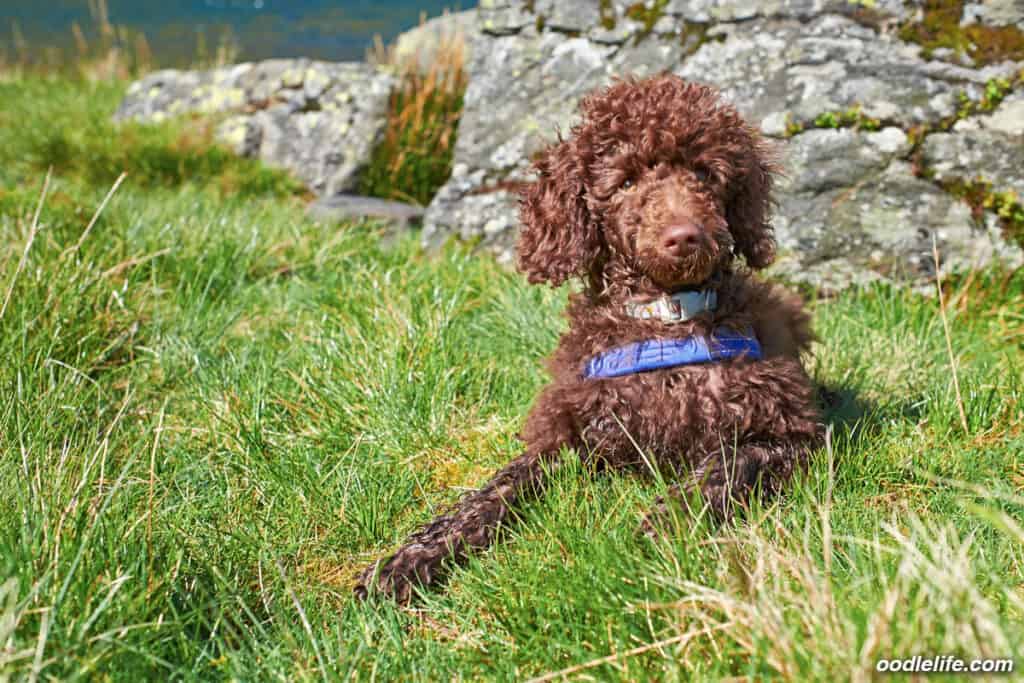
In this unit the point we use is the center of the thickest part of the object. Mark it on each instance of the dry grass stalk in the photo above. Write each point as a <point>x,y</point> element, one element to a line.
<point>28,245</point>
<point>949,341</point>
<point>423,116</point>
<point>101,17</point>
<point>81,44</point>
<point>152,480</point>
<point>777,600</point>
<point>96,216</point>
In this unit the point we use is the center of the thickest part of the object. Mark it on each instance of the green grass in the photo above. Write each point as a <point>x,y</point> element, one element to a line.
<point>215,412</point>
<point>54,122</point>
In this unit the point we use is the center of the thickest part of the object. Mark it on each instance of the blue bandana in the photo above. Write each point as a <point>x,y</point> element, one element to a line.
<point>654,354</point>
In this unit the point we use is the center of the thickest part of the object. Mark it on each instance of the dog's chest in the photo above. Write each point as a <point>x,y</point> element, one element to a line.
<point>671,414</point>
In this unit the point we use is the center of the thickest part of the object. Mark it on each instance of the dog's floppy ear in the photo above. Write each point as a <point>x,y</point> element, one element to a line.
<point>559,239</point>
<point>750,206</point>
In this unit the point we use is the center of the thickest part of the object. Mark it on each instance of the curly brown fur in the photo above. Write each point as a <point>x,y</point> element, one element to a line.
<point>660,187</point>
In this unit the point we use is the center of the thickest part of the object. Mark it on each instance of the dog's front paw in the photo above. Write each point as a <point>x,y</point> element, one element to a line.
<point>413,565</point>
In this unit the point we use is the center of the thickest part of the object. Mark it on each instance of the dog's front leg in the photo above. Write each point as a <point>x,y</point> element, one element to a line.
<point>472,525</point>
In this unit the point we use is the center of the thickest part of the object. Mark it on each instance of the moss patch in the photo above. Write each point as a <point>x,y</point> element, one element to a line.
<point>853,117</point>
<point>646,15</point>
<point>981,197</point>
<point>940,28</point>
<point>793,127</point>
<point>607,15</point>
<point>996,90</point>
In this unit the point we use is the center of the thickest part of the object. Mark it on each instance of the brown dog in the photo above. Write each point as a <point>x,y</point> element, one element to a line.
<point>675,353</point>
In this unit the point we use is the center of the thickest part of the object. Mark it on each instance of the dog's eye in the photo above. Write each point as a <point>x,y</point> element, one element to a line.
<point>626,184</point>
<point>702,174</point>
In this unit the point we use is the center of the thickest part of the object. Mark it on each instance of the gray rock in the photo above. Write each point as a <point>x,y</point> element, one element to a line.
<point>488,216</point>
<point>620,33</point>
<point>774,68</point>
<point>1008,118</point>
<point>819,161</point>
<point>349,207</point>
<point>422,42</point>
<point>994,12</point>
<point>852,211</point>
<point>988,147</point>
<point>318,120</point>
<point>742,10</point>
<point>973,155</point>
<point>578,15</point>
<point>719,11</point>
<point>503,17</point>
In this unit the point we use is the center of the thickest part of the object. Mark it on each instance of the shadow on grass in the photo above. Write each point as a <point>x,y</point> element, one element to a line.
<point>843,407</point>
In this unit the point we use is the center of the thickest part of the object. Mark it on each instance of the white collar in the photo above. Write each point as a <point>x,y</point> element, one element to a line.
<point>675,308</point>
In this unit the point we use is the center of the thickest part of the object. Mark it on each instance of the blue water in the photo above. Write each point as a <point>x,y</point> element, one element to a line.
<point>339,30</point>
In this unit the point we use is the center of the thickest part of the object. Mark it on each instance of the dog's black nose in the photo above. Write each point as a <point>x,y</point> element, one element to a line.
<point>681,239</point>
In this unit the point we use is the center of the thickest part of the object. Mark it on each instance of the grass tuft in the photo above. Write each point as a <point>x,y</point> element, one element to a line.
<point>414,158</point>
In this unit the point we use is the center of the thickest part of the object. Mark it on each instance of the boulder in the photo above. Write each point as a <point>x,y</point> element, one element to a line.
<point>987,147</point>
<point>318,120</point>
<point>857,204</point>
<point>854,207</point>
<point>422,42</point>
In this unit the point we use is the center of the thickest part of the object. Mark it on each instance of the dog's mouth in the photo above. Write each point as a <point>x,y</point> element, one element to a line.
<point>674,277</point>
<point>678,272</point>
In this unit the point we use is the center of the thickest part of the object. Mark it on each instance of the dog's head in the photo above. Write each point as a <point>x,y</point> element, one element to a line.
<point>660,184</point>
